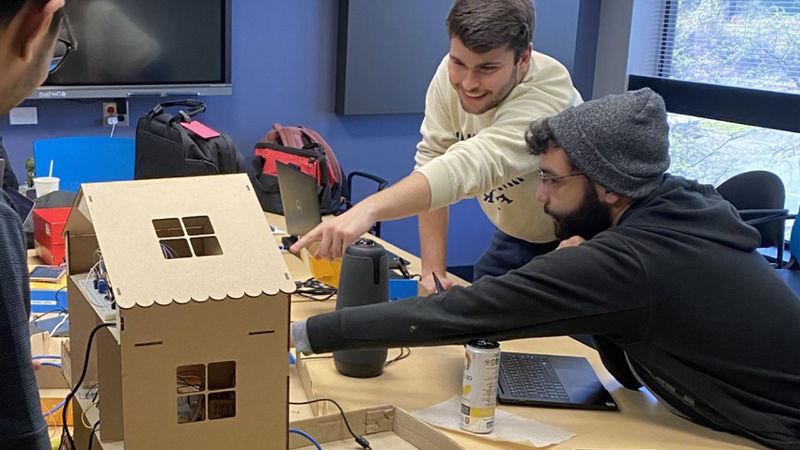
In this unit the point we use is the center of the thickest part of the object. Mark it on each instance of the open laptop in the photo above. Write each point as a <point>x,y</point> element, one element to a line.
<point>551,380</point>
<point>300,199</point>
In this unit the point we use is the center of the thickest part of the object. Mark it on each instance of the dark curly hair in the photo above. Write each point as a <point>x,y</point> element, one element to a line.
<point>484,25</point>
<point>539,137</point>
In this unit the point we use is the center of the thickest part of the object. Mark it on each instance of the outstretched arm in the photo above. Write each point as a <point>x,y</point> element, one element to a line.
<point>596,288</point>
<point>408,197</point>
<point>433,247</point>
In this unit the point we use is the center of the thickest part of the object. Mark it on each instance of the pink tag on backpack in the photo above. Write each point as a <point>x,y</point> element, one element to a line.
<point>201,130</point>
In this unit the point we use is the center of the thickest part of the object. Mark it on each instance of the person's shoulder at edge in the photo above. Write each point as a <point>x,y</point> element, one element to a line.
<point>10,227</point>
<point>7,213</point>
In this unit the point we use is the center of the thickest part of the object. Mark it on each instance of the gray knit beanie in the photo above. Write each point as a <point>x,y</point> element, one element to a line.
<point>620,141</point>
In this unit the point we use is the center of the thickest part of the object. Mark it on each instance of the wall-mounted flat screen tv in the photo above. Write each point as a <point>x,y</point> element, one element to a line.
<point>129,48</point>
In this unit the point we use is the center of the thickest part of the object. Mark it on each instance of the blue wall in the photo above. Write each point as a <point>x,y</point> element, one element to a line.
<point>284,71</point>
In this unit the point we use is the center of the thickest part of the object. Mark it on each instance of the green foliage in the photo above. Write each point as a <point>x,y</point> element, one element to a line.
<point>752,44</point>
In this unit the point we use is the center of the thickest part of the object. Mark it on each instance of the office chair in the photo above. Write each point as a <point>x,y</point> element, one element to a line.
<point>382,183</point>
<point>759,196</point>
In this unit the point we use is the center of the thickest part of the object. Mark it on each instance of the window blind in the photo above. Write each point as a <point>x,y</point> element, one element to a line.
<point>743,43</point>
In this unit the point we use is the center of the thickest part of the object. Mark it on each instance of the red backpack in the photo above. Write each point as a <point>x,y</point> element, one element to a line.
<point>306,149</point>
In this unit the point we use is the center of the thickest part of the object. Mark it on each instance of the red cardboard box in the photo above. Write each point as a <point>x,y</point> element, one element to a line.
<point>48,224</point>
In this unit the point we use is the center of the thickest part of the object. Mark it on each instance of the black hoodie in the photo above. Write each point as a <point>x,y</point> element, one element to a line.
<point>674,290</point>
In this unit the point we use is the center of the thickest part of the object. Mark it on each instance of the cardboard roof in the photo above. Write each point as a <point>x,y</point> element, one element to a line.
<point>121,215</point>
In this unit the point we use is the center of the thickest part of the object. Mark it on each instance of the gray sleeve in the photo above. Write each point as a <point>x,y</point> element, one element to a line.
<point>300,338</point>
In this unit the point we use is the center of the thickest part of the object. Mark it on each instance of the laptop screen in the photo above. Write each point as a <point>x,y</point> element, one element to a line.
<point>299,198</point>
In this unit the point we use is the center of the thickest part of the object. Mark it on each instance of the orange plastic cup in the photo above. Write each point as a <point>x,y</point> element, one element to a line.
<point>320,268</point>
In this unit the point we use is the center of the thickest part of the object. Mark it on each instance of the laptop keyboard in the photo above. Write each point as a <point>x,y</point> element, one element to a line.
<point>531,376</point>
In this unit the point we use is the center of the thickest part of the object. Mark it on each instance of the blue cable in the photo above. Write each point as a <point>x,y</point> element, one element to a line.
<point>307,436</point>
<point>51,364</point>
<point>55,408</point>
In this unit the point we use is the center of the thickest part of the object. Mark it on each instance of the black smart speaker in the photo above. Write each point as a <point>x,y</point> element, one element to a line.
<point>363,280</point>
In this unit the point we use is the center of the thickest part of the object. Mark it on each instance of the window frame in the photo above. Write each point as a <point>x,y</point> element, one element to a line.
<point>756,107</point>
<point>760,108</point>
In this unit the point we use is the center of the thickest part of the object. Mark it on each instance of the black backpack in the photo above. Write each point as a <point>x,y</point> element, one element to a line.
<point>176,145</point>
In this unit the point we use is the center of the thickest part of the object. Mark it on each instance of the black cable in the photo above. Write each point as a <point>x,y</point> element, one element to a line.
<point>403,355</point>
<point>91,435</point>
<point>360,440</point>
<point>65,430</point>
<point>306,358</point>
<point>312,284</point>
<point>312,289</point>
<point>94,397</point>
<point>59,310</point>
<point>405,352</point>
<point>404,269</point>
<point>314,297</point>
<point>59,290</point>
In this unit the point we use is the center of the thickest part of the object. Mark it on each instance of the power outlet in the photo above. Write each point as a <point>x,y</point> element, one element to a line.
<point>117,109</point>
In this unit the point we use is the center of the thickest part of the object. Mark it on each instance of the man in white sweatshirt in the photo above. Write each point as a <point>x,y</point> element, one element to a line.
<point>485,92</point>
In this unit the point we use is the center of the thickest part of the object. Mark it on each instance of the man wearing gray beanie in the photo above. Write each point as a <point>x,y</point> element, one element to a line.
<point>620,142</point>
<point>659,270</point>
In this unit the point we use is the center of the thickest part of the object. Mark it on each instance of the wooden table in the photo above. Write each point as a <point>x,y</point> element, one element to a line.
<point>434,374</point>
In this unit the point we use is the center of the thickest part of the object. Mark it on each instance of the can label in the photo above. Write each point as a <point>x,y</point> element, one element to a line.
<point>479,393</point>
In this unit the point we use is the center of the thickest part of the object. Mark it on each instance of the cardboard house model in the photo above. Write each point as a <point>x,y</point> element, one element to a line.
<point>189,274</point>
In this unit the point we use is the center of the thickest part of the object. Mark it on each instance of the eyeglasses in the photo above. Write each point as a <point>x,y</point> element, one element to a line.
<point>64,45</point>
<point>551,180</point>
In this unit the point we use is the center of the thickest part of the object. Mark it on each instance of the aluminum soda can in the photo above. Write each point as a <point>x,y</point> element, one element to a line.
<point>479,393</point>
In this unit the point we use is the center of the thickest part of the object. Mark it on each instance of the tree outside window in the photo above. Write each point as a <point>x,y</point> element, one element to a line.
<point>745,43</point>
